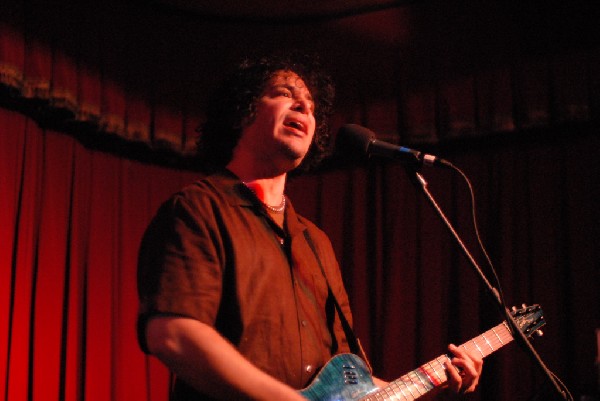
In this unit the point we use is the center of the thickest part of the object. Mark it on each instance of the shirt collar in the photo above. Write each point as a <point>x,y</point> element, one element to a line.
<point>237,194</point>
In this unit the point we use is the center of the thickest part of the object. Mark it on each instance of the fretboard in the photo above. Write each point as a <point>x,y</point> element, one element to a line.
<point>433,374</point>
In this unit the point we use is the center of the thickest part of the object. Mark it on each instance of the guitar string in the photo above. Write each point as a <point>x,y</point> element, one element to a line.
<point>409,383</point>
<point>487,342</point>
<point>418,387</point>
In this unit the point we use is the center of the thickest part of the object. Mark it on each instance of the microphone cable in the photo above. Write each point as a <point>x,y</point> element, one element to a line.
<point>490,264</point>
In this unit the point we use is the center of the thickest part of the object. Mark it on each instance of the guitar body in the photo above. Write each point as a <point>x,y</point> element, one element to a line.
<point>344,378</point>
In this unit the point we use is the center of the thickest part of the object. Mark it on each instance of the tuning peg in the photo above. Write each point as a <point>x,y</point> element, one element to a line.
<point>539,333</point>
<point>514,309</point>
<point>524,306</point>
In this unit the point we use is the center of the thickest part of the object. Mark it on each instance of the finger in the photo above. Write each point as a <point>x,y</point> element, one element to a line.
<point>470,368</point>
<point>454,379</point>
<point>470,358</point>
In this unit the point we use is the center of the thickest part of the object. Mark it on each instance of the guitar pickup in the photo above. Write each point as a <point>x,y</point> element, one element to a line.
<point>350,377</point>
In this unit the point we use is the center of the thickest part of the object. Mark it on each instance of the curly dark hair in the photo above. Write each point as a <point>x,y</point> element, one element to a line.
<point>233,104</point>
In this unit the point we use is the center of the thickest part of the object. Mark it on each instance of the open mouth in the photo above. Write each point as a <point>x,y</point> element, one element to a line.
<point>295,125</point>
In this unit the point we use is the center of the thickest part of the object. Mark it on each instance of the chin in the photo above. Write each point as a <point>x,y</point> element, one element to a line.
<point>293,153</point>
<point>292,164</point>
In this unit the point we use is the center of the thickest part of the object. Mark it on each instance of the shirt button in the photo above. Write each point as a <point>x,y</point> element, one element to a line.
<point>309,369</point>
<point>303,323</point>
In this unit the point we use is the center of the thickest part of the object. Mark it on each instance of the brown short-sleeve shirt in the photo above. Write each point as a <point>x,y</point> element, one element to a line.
<point>213,254</point>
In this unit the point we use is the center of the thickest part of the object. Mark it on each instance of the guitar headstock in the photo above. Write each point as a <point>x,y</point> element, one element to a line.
<point>529,319</point>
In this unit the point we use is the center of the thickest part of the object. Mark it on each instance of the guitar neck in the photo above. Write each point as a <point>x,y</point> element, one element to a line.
<point>433,374</point>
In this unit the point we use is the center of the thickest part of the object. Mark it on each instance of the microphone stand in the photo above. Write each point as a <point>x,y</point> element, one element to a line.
<point>520,338</point>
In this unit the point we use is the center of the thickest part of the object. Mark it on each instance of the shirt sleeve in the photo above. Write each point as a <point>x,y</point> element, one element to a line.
<point>180,263</point>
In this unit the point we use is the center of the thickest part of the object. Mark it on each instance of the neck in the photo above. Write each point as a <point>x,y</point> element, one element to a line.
<point>268,188</point>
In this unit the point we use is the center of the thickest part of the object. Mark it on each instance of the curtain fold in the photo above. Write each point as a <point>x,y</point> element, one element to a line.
<point>103,70</point>
<point>84,94</point>
<point>81,103</point>
<point>413,292</point>
<point>72,219</point>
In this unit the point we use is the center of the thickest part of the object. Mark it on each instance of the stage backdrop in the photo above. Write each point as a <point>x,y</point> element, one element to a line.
<point>72,218</point>
<point>98,105</point>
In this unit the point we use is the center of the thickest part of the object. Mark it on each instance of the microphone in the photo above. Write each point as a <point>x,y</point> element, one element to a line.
<point>360,141</point>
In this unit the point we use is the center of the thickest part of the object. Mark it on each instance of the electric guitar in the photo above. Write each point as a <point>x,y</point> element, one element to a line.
<point>346,377</point>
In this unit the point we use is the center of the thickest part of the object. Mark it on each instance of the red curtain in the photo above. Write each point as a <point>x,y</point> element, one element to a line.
<point>72,218</point>
<point>90,91</point>
<point>71,222</point>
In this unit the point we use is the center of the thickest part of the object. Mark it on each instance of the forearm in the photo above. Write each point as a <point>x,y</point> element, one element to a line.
<point>201,357</point>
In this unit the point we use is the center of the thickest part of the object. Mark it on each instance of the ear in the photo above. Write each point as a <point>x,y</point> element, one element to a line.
<point>248,119</point>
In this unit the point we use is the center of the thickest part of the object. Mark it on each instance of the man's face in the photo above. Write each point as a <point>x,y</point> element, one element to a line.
<point>284,126</point>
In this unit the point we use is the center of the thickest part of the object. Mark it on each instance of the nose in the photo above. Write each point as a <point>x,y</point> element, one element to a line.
<point>303,106</point>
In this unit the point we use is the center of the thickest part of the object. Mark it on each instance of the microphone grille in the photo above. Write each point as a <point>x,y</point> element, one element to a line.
<point>354,140</point>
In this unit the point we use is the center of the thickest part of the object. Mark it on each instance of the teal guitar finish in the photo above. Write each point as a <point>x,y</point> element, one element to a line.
<point>345,377</point>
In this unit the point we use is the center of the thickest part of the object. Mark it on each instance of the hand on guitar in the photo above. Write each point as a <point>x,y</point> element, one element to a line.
<point>463,370</point>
